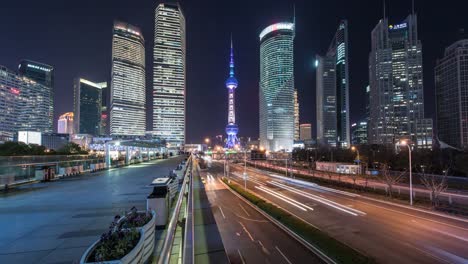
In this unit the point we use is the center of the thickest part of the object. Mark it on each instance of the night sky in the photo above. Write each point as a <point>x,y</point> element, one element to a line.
<point>75,38</point>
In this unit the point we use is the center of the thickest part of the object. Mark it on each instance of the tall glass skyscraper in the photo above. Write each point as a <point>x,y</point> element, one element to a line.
<point>451,79</point>
<point>128,91</point>
<point>87,106</point>
<point>332,94</point>
<point>65,124</point>
<point>396,85</point>
<point>277,87</point>
<point>25,104</point>
<point>169,74</point>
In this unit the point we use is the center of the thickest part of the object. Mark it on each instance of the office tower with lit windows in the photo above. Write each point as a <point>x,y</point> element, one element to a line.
<point>396,85</point>
<point>169,74</point>
<point>359,133</point>
<point>296,116</point>
<point>332,93</point>
<point>25,104</point>
<point>305,131</point>
<point>65,124</point>
<point>128,90</point>
<point>87,106</point>
<point>277,87</point>
<point>105,111</point>
<point>451,82</point>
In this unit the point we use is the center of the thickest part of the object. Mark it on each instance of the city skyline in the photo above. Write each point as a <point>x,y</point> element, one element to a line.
<point>359,28</point>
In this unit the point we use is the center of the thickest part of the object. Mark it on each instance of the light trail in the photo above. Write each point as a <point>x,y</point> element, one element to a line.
<point>330,203</point>
<point>293,202</point>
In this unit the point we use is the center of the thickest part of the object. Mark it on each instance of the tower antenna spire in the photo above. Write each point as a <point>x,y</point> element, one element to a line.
<point>384,10</point>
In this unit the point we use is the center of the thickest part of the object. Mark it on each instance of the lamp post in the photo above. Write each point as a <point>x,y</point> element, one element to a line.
<point>405,143</point>
<point>353,148</point>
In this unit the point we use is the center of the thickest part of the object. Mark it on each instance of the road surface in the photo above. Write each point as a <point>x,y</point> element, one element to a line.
<point>388,233</point>
<point>247,235</point>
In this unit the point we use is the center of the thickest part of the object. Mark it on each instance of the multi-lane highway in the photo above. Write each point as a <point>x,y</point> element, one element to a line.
<point>248,236</point>
<point>452,195</point>
<point>387,232</point>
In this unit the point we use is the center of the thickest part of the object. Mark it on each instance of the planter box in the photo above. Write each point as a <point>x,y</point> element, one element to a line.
<point>133,257</point>
<point>149,235</point>
<point>142,251</point>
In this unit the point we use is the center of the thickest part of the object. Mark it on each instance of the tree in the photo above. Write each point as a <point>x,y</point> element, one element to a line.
<point>71,148</point>
<point>390,179</point>
<point>436,184</point>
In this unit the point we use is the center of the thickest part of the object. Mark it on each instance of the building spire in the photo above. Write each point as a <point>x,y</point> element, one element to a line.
<point>231,62</point>
<point>384,9</point>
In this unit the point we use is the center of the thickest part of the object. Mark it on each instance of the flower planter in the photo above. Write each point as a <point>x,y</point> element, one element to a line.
<point>148,233</point>
<point>142,251</point>
<point>135,256</point>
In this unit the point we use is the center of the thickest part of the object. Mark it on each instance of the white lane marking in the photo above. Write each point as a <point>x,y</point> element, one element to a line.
<point>290,199</point>
<point>282,254</point>
<point>222,213</point>
<point>247,231</point>
<point>330,203</point>
<point>244,210</point>
<point>241,257</point>
<point>439,231</point>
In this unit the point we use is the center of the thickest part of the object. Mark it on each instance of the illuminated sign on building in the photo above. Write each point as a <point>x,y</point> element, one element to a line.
<point>399,26</point>
<point>38,67</point>
<point>275,27</point>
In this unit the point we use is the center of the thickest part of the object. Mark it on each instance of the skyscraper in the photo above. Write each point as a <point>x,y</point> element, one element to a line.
<point>65,124</point>
<point>169,73</point>
<point>231,85</point>
<point>451,80</point>
<point>396,84</point>
<point>105,111</point>
<point>333,92</point>
<point>277,87</point>
<point>39,72</point>
<point>87,106</point>
<point>306,131</point>
<point>128,92</point>
<point>25,104</point>
<point>296,116</point>
<point>359,133</point>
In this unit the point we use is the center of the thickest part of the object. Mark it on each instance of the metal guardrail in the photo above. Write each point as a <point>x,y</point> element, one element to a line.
<point>185,191</point>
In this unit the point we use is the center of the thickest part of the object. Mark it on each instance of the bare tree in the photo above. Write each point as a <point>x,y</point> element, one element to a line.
<point>390,179</point>
<point>354,177</point>
<point>436,184</point>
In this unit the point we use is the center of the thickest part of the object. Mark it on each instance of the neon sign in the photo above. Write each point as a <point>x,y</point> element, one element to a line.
<point>275,27</point>
<point>399,26</point>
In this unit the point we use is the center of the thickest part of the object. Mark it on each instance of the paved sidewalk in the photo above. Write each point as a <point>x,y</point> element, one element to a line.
<point>56,222</point>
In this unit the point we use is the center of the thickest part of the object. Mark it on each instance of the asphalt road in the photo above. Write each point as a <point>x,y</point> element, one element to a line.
<point>248,237</point>
<point>456,196</point>
<point>389,233</point>
<point>56,222</point>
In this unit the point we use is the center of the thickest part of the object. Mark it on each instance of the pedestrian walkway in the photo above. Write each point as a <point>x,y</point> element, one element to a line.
<point>56,222</point>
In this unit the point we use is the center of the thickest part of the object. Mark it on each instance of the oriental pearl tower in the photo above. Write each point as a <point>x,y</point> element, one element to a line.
<point>231,85</point>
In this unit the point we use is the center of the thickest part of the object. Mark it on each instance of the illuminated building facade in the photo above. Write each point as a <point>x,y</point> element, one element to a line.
<point>305,131</point>
<point>359,133</point>
<point>296,116</point>
<point>65,123</point>
<point>277,87</point>
<point>128,90</point>
<point>451,79</point>
<point>332,94</point>
<point>87,106</point>
<point>231,84</point>
<point>24,105</point>
<point>396,85</point>
<point>169,74</point>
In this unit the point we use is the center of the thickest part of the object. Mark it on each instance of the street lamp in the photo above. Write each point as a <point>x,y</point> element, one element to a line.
<point>353,148</point>
<point>405,143</point>
<point>207,140</point>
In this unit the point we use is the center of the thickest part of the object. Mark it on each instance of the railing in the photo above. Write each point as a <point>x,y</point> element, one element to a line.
<point>177,220</point>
